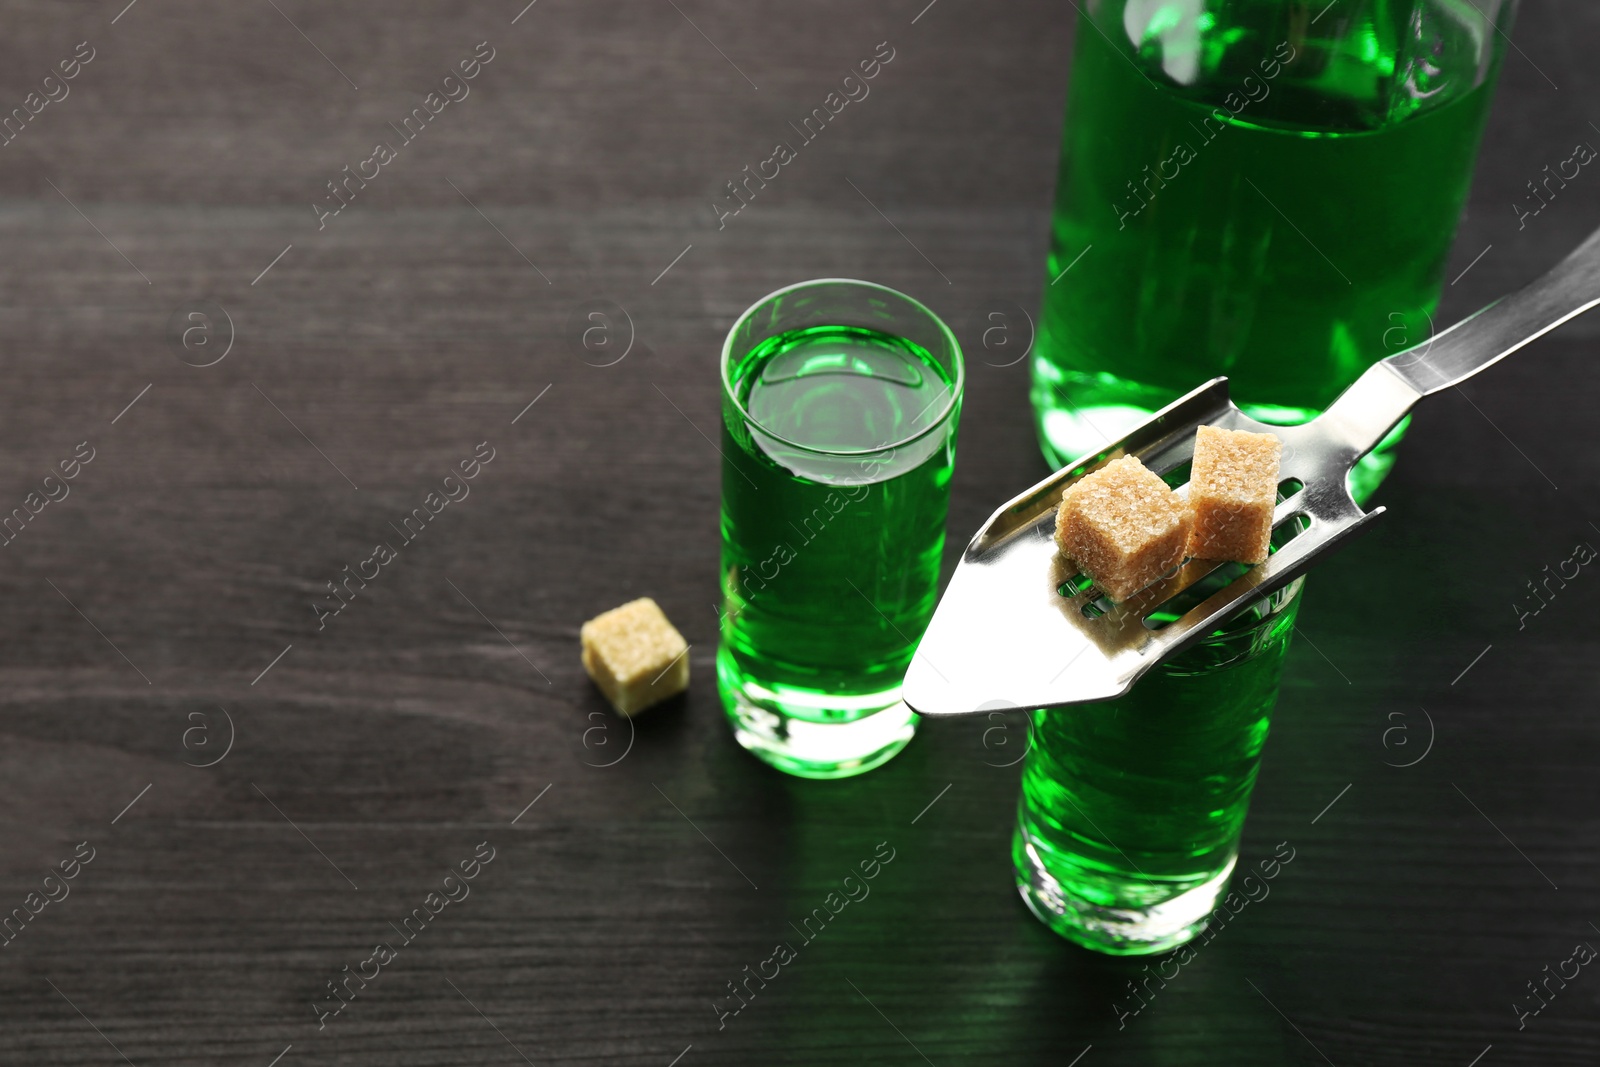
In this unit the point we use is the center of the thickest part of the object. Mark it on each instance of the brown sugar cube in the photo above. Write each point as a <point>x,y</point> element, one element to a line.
<point>1233,488</point>
<point>1123,527</point>
<point>635,656</point>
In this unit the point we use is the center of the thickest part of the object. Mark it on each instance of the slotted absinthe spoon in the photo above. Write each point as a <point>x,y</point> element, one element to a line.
<point>1010,633</point>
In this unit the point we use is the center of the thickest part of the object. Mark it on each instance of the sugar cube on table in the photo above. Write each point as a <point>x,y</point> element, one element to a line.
<point>635,656</point>
<point>1233,489</point>
<point>1123,527</point>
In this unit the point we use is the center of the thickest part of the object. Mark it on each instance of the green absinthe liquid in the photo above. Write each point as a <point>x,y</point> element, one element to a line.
<point>1130,803</point>
<point>1255,193</point>
<point>833,510</point>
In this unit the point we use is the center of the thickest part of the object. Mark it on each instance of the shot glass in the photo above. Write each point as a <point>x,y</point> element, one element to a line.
<point>840,401</point>
<point>1131,809</point>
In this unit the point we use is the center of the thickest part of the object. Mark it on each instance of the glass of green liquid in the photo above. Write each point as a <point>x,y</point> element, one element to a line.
<point>1131,809</point>
<point>1266,189</point>
<point>839,408</point>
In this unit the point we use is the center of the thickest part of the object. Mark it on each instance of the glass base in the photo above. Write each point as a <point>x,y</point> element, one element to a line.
<point>811,734</point>
<point>1107,412</point>
<point>1124,931</point>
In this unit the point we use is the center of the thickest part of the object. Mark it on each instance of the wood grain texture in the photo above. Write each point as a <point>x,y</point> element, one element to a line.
<point>447,696</point>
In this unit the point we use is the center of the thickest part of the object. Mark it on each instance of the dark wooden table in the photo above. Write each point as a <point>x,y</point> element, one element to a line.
<point>264,801</point>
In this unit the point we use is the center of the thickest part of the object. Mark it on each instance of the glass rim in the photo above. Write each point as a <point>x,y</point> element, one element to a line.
<point>1272,605</point>
<point>951,404</point>
<point>1271,608</point>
